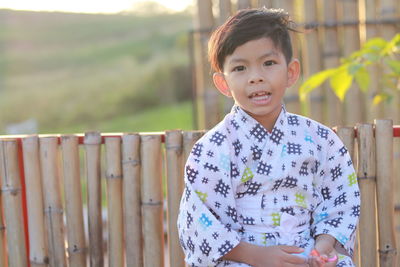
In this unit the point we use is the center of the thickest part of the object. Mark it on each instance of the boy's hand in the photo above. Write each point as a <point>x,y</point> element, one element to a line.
<point>272,256</point>
<point>324,253</point>
<point>280,256</point>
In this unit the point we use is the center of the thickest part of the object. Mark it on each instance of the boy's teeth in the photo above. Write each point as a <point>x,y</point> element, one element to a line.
<point>261,94</point>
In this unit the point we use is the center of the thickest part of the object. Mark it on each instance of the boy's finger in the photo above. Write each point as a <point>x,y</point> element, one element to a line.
<point>315,262</point>
<point>295,259</point>
<point>298,265</point>
<point>291,249</point>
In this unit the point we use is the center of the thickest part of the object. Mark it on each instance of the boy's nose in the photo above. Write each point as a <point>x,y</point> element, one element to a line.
<point>256,79</point>
<point>256,76</point>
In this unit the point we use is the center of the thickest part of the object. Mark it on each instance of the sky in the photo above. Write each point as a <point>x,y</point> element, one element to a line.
<point>86,6</point>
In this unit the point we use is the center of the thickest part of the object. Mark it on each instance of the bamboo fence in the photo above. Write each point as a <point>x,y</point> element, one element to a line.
<point>140,229</point>
<point>331,30</point>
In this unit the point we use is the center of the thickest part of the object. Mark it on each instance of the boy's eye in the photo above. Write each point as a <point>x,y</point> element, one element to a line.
<point>238,68</point>
<point>269,63</point>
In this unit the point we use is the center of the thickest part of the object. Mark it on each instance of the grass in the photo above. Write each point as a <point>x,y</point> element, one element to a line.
<point>74,72</point>
<point>177,116</point>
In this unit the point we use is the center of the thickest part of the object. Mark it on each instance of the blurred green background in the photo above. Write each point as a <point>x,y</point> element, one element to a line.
<point>71,72</point>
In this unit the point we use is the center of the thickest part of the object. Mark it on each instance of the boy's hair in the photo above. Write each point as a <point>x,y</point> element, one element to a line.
<point>247,25</point>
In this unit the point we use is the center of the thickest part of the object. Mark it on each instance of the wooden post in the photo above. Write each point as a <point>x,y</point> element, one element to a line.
<point>347,135</point>
<point>152,201</point>
<point>312,58</point>
<point>330,57</point>
<point>73,201</point>
<point>93,174</point>
<point>53,207</point>
<point>354,103</point>
<point>207,102</point>
<point>366,173</point>
<point>385,192</point>
<point>38,249</point>
<point>132,206</point>
<point>174,149</point>
<point>114,198</point>
<point>12,200</point>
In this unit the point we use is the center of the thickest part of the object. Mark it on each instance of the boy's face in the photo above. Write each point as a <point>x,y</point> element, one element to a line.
<point>256,75</point>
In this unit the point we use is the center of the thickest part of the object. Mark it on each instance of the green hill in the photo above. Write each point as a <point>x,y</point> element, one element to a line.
<point>63,69</point>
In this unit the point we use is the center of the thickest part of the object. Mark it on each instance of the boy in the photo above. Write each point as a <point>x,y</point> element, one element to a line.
<point>265,187</point>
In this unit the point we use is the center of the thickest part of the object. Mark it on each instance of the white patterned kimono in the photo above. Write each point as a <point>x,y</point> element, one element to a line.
<point>284,187</point>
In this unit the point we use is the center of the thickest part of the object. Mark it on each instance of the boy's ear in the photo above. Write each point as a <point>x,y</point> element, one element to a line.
<point>220,83</point>
<point>293,72</point>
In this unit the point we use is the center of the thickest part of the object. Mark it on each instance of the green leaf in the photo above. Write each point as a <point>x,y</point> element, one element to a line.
<point>362,78</point>
<point>354,67</point>
<point>371,50</point>
<point>373,57</point>
<point>392,45</point>
<point>394,65</point>
<point>375,44</point>
<point>314,81</point>
<point>340,82</point>
<point>380,98</point>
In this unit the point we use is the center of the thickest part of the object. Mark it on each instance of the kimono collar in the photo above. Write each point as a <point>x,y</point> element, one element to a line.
<point>252,129</point>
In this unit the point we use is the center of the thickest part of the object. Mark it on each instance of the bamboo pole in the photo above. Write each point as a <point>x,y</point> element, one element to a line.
<point>38,249</point>
<point>189,139</point>
<point>174,152</point>
<point>388,11</point>
<point>331,55</point>
<point>152,201</point>
<point>291,98</point>
<point>12,200</point>
<point>73,201</point>
<point>225,11</point>
<point>207,102</point>
<point>3,242</point>
<point>366,174</point>
<point>92,154</point>
<point>132,208</point>
<point>371,14</point>
<point>354,103</point>
<point>53,207</point>
<point>347,135</point>
<point>385,192</point>
<point>114,197</point>
<point>265,3</point>
<point>312,59</point>
<point>243,4</point>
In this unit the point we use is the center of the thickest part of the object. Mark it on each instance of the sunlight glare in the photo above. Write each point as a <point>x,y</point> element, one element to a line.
<point>86,6</point>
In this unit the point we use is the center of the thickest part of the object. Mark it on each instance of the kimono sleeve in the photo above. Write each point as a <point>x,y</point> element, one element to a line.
<point>207,220</point>
<point>338,212</point>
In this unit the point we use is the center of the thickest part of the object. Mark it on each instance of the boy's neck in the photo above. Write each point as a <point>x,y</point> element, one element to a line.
<point>267,121</point>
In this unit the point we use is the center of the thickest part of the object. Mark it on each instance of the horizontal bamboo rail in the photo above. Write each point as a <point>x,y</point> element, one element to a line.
<point>136,223</point>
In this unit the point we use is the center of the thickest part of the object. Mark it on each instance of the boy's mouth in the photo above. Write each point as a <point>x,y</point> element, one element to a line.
<point>262,95</point>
